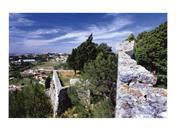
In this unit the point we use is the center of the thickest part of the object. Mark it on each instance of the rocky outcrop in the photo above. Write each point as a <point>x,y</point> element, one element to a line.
<point>74,81</point>
<point>136,96</point>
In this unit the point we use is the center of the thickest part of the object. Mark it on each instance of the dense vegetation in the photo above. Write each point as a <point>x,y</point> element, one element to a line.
<point>102,74</point>
<point>15,75</point>
<point>131,37</point>
<point>151,52</point>
<point>82,54</point>
<point>30,102</point>
<point>47,82</point>
<point>15,69</point>
<point>94,96</point>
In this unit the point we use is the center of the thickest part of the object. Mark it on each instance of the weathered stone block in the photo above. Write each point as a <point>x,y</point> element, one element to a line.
<point>136,97</point>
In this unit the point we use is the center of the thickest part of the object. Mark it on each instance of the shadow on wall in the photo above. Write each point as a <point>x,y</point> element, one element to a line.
<point>64,102</point>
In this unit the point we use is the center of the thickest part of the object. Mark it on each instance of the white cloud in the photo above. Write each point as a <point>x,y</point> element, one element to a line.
<point>101,31</point>
<point>45,31</point>
<point>75,34</point>
<point>17,19</point>
<point>117,24</point>
<point>112,35</point>
<point>110,32</point>
<point>143,28</point>
<point>35,43</point>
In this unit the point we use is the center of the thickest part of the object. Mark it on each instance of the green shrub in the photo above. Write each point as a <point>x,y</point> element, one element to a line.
<point>151,52</point>
<point>103,109</point>
<point>31,102</point>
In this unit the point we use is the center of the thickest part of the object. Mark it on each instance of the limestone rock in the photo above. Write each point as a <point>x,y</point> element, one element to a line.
<point>128,70</point>
<point>136,97</point>
<point>73,81</point>
<point>134,102</point>
<point>127,47</point>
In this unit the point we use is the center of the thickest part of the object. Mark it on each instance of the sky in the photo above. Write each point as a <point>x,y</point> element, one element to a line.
<point>61,32</point>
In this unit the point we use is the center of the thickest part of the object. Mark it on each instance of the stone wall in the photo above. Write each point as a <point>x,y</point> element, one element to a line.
<point>136,96</point>
<point>58,94</point>
<point>54,92</point>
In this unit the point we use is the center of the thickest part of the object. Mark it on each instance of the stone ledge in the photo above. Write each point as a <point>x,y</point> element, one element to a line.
<point>136,96</point>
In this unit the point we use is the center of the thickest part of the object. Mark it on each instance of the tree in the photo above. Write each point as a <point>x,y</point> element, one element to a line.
<point>151,52</point>
<point>30,102</point>
<point>72,62</point>
<point>80,108</point>
<point>96,86</point>
<point>103,109</point>
<point>104,48</point>
<point>90,38</point>
<point>47,82</point>
<point>86,52</point>
<point>104,68</point>
<point>16,106</point>
<point>82,54</point>
<point>130,38</point>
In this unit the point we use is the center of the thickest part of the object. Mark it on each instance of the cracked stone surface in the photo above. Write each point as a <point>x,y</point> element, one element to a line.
<point>136,96</point>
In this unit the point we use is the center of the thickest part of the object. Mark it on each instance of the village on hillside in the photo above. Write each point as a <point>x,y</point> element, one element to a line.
<point>29,67</point>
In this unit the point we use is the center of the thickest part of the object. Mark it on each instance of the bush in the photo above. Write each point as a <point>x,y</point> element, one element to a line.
<point>94,96</point>
<point>82,54</point>
<point>79,108</point>
<point>103,109</point>
<point>151,52</point>
<point>131,37</point>
<point>104,68</point>
<point>47,82</point>
<point>31,102</point>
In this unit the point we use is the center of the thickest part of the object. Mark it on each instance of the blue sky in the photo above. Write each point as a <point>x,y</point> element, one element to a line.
<point>60,32</point>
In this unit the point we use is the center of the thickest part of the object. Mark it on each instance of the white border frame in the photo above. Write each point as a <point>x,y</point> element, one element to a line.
<point>172,7</point>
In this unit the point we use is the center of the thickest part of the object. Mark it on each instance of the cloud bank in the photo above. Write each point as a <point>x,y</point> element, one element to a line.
<point>111,32</point>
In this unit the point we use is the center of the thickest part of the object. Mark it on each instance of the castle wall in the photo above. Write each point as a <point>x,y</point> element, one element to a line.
<point>54,92</point>
<point>136,96</point>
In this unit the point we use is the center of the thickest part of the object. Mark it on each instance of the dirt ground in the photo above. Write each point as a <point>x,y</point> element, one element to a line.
<point>66,75</point>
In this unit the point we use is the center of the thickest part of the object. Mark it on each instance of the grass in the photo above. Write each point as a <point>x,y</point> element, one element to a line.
<point>47,65</point>
<point>66,75</point>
